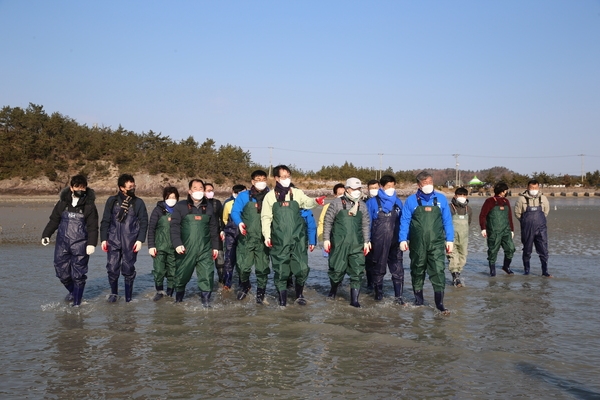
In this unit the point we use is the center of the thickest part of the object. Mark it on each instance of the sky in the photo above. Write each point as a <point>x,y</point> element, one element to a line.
<point>400,84</point>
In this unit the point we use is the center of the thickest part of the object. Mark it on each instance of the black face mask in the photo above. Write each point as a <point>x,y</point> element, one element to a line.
<point>130,192</point>
<point>79,193</point>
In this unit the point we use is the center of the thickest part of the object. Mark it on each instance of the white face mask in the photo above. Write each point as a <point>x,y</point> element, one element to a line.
<point>461,200</point>
<point>171,202</point>
<point>534,192</point>
<point>210,195</point>
<point>427,189</point>
<point>356,194</point>
<point>390,191</point>
<point>235,195</point>
<point>260,186</point>
<point>197,195</point>
<point>373,192</point>
<point>285,182</point>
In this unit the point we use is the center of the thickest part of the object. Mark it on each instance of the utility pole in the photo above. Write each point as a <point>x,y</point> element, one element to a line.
<point>270,160</point>
<point>582,155</point>
<point>456,179</point>
<point>380,163</point>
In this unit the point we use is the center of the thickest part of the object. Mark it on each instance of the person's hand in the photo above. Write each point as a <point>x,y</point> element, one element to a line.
<point>215,254</point>
<point>403,245</point>
<point>311,247</point>
<point>327,245</point>
<point>449,247</point>
<point>137,246</point>
<point>320,200</point>
<point>484,233</point>
<point>45,241</point>
<point>366,248</point>
<point>268,243</point>
<point>222,236</point>
<point>180,249</point>
<point>89,250</point>
<point>242,227</point>
<point>152,251</point>
<point>104,246</point>
<point>512,235</point>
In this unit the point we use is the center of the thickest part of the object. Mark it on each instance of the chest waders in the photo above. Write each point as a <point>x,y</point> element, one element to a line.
<point>458,258</point>
<point>164,263</point>
<point>195,235</point>
<point>534,232</point>
<point>346,255</point>
<point>499,235</point>
<point>251,251</point>
<point>121,257</point>
<point>386,250</point>
<point>229,251</point>
<point>70,257</point>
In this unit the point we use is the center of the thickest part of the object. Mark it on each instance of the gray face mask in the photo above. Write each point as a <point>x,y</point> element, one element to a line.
<point>79,193</point>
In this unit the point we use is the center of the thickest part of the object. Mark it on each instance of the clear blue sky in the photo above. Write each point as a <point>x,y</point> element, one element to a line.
<point>511,83</point>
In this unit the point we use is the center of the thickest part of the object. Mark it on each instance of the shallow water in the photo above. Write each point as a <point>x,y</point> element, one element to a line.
<point>506,336</point>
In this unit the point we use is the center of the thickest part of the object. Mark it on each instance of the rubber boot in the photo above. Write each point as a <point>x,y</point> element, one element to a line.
<point>456,282</point>
<point>114,292</point>
<point>283,298</point>
<point>354,297</point>
<point>159,293</point>
<point>492,269</point>
<point>220,274</point>
<point>526,267</point>
<point>205,299</point>
<point>398,286</point>
<point>245,288</point>
<point>128,291</point>
<point>290,282</point>
<point>170,291</point>
<point>78,295</point>
<point>506,266</point>
<point>369,275</point>
<point>545,270</point>
<point>333,290</point>
<point>179,296</point>
<point>418,297</point>
<point>378,291</point>
<point>227,278</point>
<point>439,301</point>
<point>260,295</point>
<point>70,287</point>
<point>299,296</point>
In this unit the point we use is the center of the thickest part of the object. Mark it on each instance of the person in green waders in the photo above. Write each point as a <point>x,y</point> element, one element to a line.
<point>346,237</point>
<point>426,228</point>
<point>284,231</point>
<point>495,220</point>
<point>195,236</point>
<point>461,218</point>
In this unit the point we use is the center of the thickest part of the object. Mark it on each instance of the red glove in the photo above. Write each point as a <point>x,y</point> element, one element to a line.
<point>320,200</point>
<point>215,254</point>
<point>104,246</point>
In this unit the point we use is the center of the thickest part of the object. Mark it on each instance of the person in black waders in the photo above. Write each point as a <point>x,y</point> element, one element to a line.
<point>159,243</point>
<point>426,227</point>
<point>346,237</point>
<point>122,231</point>
<point>195,236</point>
<point>495,220</point>
<point>285,233</point>
<point>531,209</point>
<point>209,193</point>
<point>76,218</point>
<point>231,238</point>
<point>385,209</point>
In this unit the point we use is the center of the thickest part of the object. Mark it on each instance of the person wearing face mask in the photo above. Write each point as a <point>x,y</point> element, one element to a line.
<point>284,231</point>
<point>231,237</point>
<point>385,209</point>
<point>338,191</point>
<point>159,243</point>
<point>372,188</point>
<point>122,231</point>
<point>495,220</point>
<point>76,218</point>
<point>426,228</point>
<point>531,209</point>
<point>251,248</point>
<point>347,239</point>
<point>195,236</point>
<point>461,219</point>
<point>209,193</point>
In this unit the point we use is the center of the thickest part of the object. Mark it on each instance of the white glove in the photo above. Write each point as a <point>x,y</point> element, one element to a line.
<point>222,236</point>
<point>512,235</point>
<point>268,243</point>
<point>403,245</point>
<point>484,233</point>
<point>46,241</point>
<point>137,246</point>
<point>366,248</point>
<point>180,249</point>
<point>89,250</point>
<point>311,247</point>
<point>449,247</point>
<point>327,246</point>
<point>242,227</point>
<point>104,246</point>
<point>215,254</point>
<point>152,251</point>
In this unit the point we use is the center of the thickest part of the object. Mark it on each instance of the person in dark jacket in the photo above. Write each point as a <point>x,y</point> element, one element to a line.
<point>122,231</point>
<point>231,237</point>
<point>76,218</point>
<point>195,236</point>
<point>159,243</point>
<point>209,193</point>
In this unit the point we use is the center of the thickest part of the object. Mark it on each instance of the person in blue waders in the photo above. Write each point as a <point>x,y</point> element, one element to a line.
<point>426,228</point>
<point>531,209</point>
<point>231,237</point>
<point>385,209</point>
<point>122,231</point>
<point>76,218</point>
<point>195,236</point>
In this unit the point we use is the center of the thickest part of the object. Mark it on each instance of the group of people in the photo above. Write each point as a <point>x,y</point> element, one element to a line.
<point>275,228</point>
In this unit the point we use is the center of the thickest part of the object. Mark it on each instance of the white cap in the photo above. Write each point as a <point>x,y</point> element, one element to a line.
<point>353,183</point>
